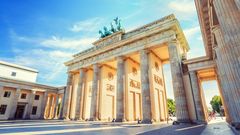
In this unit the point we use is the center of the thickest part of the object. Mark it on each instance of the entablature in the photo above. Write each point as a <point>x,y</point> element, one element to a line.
<point>158,32</point>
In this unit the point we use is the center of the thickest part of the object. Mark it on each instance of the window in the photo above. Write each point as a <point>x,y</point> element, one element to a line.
<point>23,96</point>
<point>7,94</point>
<point>36,97</point>
<point>3,109</point>
<point>34,110</point>
<point>13,74</point>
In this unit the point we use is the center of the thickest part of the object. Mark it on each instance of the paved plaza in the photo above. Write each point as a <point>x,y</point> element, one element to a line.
<point>74,127</point>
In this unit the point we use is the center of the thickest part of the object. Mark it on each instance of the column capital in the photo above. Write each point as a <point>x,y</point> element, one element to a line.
<point>121,58</point>
<point>193,72</point>
<point>33,91</point>
<point>144,51</point>
<point>173,42</point>
<point>96,66</point>
<point>82,69</point>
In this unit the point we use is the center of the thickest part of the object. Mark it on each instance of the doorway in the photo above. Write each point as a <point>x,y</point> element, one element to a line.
<point>19,112</point>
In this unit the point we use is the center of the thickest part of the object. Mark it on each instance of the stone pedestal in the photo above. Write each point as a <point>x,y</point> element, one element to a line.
<point>120,90</point>
<point>95,93</point>
<point>14,104</point>
<point>30,104</point>
<point>78,115</point>
<point>197,97</point>
<point>146,100</point>
<point>177,81</point>
<point>43,104</point>
<point>67,98</point>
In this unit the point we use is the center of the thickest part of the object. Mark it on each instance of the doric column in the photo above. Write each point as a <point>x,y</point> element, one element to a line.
<point>80,90</point>
<point>146,102</point>
<point>177,81</point>
<point>196,96</point>
<point>95,92</point>
<point>120,90</point>
<point>55,114</point>
<point>43,104</point>
<point>227,37</point>
<point>30,104</point>
<point>62,104</point>
<point>14,103</point>
<point>49,106</point>
<point>67,97</point>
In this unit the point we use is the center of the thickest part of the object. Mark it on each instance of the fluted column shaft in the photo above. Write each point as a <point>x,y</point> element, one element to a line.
<point>50,104</point>
<point>177,81</point>
<point>14,104</point>
<point>43,104</point>
<point>30,104</point>
<point>120,90</point>
<point>95,93</point>
<point>55,114</point>
<point>80,95</point>
<point>146,102</point>
<point>197,96</point>
<point>67,97</point>
<point>228,42</point>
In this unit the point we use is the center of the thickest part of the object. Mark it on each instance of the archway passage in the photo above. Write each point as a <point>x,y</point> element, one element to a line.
<point>213,105</point>
<point>198,73</point>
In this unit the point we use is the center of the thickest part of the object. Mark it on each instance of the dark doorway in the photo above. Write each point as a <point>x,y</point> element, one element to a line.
<point>19,112</point>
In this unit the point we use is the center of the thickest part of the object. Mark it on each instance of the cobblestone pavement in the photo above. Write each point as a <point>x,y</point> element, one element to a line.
<point>37,127</point>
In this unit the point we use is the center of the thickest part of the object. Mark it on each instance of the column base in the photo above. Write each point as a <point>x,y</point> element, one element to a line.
<point>27,118</point>
<point>145,121</point>
<point>93,119</point>
<point>79,119</point>
<point>11,119</point>
<point>66,119</point>
<point>179,121</point>
<point>120,120</point>
<point>56,118</point>
<point>198,122</point>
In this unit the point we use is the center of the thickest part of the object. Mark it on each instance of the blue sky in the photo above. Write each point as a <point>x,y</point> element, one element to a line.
<point>45,33</point>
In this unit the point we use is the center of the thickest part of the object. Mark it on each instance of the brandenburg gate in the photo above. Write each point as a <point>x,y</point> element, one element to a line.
<point>121,77</point>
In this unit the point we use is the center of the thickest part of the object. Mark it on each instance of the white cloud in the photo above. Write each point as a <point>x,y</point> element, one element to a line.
<point>183,6</point>
<point>48,62</point>
<point>183,9</point>
<point>193,36</point>
<point>68,43</point>
<point>190,32</point>
<point>88,25</point>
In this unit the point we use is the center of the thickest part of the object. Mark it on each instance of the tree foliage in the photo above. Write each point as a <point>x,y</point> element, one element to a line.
<point>216,103</point>
<point>171,107</point>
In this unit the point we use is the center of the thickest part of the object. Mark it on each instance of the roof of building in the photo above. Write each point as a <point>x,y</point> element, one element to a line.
<point>18,66</point>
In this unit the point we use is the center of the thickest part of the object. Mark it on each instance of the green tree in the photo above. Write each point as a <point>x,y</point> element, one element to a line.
<point>216,103</point>
<point>171,107</point>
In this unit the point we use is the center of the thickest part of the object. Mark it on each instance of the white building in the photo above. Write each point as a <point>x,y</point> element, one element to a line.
<point>17,72</point>
<point>22,98</point>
